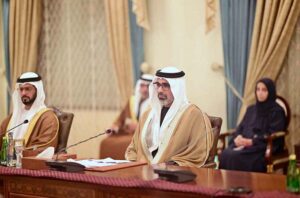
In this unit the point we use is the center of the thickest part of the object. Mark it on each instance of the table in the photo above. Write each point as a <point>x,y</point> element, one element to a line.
<point>139,181</point>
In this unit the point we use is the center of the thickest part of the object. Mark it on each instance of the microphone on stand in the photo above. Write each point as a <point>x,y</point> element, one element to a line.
<point>71,166</point>
<point>108,131</point>
<point>10,130</point>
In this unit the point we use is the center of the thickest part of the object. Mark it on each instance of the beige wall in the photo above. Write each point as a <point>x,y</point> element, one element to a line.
<point>177,37</point>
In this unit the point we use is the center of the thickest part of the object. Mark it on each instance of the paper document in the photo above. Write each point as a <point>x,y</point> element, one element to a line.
<point>98,162</point>
<point>47,153</point>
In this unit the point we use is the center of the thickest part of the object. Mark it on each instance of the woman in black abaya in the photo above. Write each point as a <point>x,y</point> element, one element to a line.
<point>247,148</point>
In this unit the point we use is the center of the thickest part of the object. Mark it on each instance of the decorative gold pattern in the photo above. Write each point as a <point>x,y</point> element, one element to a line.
<point>21,188</point>
<point>139,7</point>
<point>210,15</point>
<point>118,195</point>
<point>74,56</point>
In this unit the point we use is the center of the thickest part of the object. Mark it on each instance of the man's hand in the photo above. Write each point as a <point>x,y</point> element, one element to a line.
<point>114,129</point>
<point>130,127</point>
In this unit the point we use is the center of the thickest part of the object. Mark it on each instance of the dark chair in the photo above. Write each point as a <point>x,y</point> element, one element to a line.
<point>115,145</point>
<point>278,160</point>
<point>65,122</point>
<point>216,123</point>
<point>297,152</point>
<point>273,161</point>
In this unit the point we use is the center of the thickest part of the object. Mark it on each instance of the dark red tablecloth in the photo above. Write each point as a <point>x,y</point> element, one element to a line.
<point>133,182</point>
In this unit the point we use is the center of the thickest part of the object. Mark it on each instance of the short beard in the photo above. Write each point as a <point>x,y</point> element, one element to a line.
<point>28,101</point>
<point>163,99</point>
<point>162,102</point>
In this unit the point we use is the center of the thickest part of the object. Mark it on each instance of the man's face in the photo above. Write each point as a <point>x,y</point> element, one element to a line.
<point>261,92</point>
<point>144,90</point>
<point>27,93</point>
<point>165,94</point>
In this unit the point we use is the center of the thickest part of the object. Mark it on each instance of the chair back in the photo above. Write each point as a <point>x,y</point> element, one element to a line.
<point>286,107</point>
<point>115,145</point>
<point>279,160</point>
<point>216,123</point>
<point>65,122</point>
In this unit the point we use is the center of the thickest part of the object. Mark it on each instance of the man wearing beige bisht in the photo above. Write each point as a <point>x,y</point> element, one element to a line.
<point>36,124</point>
<point>173,130</point>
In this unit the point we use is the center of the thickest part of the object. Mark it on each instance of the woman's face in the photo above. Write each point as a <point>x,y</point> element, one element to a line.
<point>261,92</point>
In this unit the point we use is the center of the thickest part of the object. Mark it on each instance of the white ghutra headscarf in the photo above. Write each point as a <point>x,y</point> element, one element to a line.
<point>146,79</point>
<point>19,112</point>
<point>176,80</point>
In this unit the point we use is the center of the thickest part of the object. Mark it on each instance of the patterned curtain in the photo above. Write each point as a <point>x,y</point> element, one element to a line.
<point>77,69</point>
<point>74,56</point>
<point>237,19</point>
<point>139,8</point>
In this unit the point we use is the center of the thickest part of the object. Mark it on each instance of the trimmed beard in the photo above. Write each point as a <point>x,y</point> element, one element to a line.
<point>28,101</point>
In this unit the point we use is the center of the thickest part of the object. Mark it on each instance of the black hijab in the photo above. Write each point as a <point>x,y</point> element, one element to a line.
<point>263,108</point>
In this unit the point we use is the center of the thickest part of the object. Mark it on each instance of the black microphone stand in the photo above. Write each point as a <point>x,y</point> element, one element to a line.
<point>71,166</point>
<point>108,131</point>
<point>24,122</point>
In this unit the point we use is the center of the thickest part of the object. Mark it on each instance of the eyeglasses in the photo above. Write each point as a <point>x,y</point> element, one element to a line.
<point>164,86</point>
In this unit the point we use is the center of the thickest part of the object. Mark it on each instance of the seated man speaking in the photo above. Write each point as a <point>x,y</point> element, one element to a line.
<point>28,104</point>
<point>173,130</point>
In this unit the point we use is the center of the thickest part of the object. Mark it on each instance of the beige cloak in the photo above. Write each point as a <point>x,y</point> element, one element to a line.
<point>186,141</point>
<point>44,131</point>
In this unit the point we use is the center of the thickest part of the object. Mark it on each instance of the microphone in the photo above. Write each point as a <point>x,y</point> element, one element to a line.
<point>71,166</point>
<point>9,130</point>
<point>108,131</point>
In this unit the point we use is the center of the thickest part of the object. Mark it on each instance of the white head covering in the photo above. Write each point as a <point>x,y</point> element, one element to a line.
<point>145,78</point>
<point>19,112</point>
<point>176,79</point>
